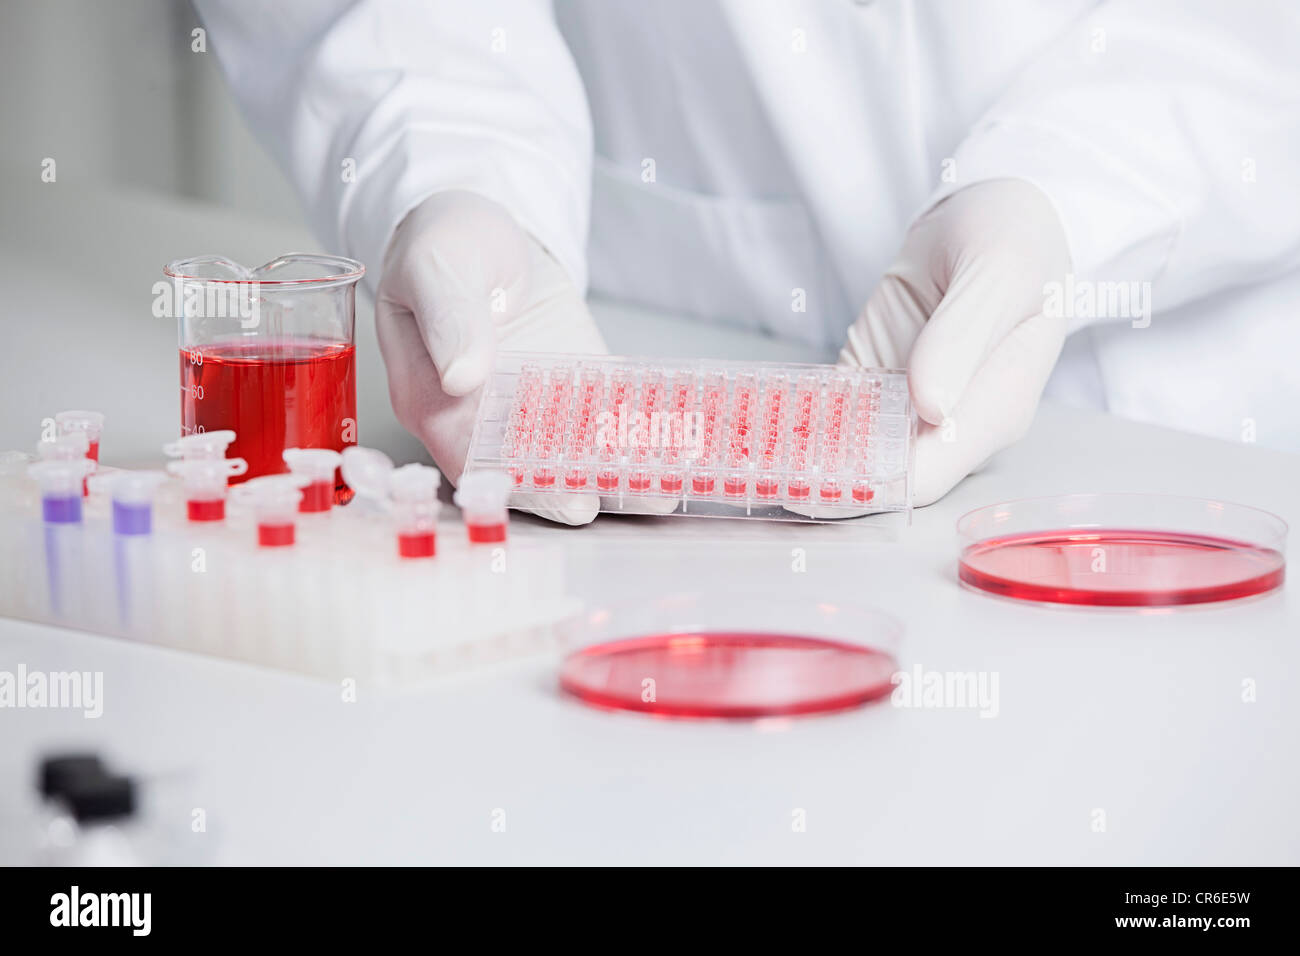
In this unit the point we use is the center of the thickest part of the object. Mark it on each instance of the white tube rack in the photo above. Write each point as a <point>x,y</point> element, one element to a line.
<point>338,604</point>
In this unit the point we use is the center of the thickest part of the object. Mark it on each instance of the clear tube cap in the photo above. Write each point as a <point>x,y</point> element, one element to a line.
<point>367,471</point>
<point>203,445</point>
<point>485,490</point>
<point>317,464</point>
<point>58,476</point>
<point>414,482</point>
<point>271,495</point>
<point>207,477</point>
<point>14,462</point>
<point>65,447</point>
<point>78,420</point>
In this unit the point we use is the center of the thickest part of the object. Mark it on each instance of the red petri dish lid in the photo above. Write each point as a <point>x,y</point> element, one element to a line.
<point>728,674</point>
<point>1122,550</point>
<point>744,655</point>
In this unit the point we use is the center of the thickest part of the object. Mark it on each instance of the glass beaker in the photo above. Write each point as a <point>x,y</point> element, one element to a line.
<point>269,353</point>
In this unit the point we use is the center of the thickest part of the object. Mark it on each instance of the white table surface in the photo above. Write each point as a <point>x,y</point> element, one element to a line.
<point>1137,714</point>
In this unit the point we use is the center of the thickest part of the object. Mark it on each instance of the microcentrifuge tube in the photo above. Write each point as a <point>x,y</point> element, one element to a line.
<point>205,481</point>
<point>415,509</point>
<point>91,424</point>
<point>482,497</point>
<point>318,467</point>
<point>60,481</point>
<point>131,493</point>
<point>73,446</point>
<point>409,492</point>
<point>274,499</point>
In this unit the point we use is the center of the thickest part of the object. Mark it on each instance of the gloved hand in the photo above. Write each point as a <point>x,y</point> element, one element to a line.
<point>961,309</point>
<point>460,279</point>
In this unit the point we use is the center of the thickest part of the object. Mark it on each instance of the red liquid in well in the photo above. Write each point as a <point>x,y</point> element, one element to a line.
<point>275,395</point>
<point>702,485</point>
<point>317,496</point>
<point>575,481</point>
<point>862,494</point>
<point>214,510</point>
<point>418,545</point>
<point>275,535</point>
<point>671,484</point>
<point>486,533</point>
<point>638,482</point>
<point>728,674</point>
<point>92,451</point>
<point>1120,568</point>
<point>735,487</point>
<point>765,487</point>
<point>607,481</point>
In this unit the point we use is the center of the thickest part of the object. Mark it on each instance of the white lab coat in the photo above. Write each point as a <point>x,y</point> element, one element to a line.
<point>722,158</point>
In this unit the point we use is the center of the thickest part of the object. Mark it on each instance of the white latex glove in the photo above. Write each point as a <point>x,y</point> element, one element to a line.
<point>961,309</point>
<point>462,278</point>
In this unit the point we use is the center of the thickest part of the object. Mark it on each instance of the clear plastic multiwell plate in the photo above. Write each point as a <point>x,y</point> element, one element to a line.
<point>731,439</point>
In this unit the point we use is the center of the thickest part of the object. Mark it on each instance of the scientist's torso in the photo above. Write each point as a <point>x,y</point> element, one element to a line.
<point>757,164</point>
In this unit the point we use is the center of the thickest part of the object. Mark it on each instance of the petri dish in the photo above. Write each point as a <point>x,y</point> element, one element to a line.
<point>1122,550</point>
<point>733,657</point>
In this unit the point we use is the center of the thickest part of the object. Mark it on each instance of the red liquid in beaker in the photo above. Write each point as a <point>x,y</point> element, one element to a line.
<point>1120,568</point>
<point>275,395</point>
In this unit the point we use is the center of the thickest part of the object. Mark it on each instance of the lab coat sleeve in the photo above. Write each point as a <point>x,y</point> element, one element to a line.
<point>371,106</point>
<point>1168,137</point>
